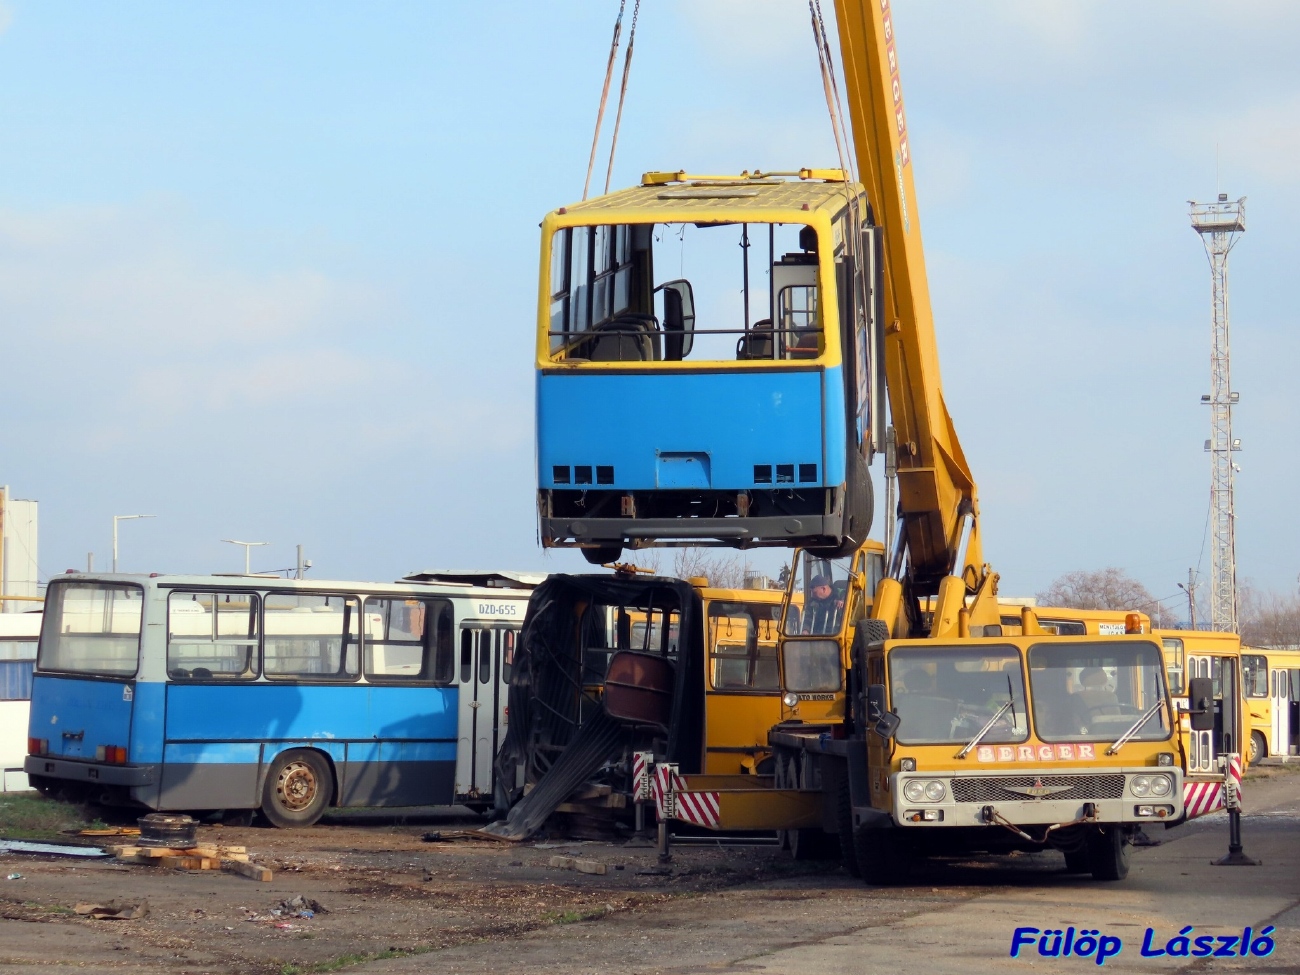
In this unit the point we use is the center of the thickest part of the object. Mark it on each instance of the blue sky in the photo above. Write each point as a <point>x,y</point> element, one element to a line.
<point>268,271</point>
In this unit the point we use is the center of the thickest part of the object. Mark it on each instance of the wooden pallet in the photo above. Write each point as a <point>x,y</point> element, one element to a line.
<point>233,859</point>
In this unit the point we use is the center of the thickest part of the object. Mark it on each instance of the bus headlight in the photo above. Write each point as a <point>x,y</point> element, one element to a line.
<point>1150,785</point>
<point>790,699</point>
<point>924,790</point>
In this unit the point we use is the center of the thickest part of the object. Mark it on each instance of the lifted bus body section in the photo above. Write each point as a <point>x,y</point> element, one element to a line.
<point>735,404</point>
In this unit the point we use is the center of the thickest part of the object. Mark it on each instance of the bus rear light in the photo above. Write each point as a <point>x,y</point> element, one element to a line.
<point>111,754</point>
<point>38,746</point>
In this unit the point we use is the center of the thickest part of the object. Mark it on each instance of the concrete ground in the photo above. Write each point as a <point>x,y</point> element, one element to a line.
<point>479,908</point>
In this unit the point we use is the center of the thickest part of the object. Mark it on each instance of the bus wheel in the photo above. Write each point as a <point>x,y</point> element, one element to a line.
<point>1108,854</point>
<point>298,788</point>
<point>883,856</point>
<point>1258,748</point>
<point>602,554</point>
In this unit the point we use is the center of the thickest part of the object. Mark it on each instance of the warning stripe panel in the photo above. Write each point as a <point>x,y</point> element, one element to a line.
<point>1200,798</point>
<point>699,808</point>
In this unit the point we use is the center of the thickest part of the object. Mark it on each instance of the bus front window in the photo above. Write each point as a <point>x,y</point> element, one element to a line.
<point>1096,691</point>
<point>91,628</point>
<point>711,291</point>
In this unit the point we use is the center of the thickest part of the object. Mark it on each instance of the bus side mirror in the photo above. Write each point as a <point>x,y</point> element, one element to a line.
<point>1200,699</point>
<point>679,318</point>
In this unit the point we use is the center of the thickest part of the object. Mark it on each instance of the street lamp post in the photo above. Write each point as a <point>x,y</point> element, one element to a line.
<point>248,547</point>
<point>116,519</point>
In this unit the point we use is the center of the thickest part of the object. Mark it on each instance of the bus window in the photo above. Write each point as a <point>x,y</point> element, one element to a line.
<point>484,656</point>
<point>311,635</point>
<point>444,659</point>
<point>742,645</point>
<point>507,655</point>
<point>91,628</point>
<point>397,646</point>
<point>211,635</point>
<point>1174,665</point>
<point>1254,673</point>
<point>466,656</point>
<point>17,657</point>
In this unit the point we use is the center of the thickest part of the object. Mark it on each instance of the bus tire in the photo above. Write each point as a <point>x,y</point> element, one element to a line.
<point>1108,854</point>
<point>298,789</point>
<point>883,856</point>
<point>1258,748</point>
<point>602,554</point>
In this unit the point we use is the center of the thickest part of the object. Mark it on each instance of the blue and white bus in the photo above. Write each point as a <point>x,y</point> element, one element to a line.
<point>178,692</point>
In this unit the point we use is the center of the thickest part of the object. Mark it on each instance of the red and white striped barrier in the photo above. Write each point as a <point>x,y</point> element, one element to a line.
<point>1200,798</point>
<point>642,784</point>
<point>674,802</point>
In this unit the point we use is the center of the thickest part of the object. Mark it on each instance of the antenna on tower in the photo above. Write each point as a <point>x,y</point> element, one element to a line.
<point>1220,224</point>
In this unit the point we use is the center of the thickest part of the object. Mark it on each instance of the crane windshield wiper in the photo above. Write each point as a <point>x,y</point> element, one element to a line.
<point>988,726</point>
<point>1123,739</point>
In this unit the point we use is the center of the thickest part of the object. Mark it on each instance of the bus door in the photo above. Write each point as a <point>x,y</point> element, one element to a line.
<point>1207,746</point>
<point>1293,711</point>
<point>486,653</point>
<point>1279,688</point>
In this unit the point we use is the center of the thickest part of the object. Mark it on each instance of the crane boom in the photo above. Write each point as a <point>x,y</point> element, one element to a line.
<point>937,494</point>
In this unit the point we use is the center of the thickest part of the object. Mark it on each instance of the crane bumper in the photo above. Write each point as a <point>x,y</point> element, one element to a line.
<point>1037,798</point>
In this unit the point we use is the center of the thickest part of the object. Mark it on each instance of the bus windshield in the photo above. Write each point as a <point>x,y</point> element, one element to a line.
<point>1096,691</point>
<point>91,628</point>
<point>694,292</point>
<point>946,695</point>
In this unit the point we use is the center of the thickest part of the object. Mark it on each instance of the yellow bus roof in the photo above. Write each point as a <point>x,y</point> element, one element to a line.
<point>661,193</point>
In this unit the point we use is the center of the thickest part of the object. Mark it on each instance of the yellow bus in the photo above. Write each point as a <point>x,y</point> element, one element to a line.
<point>1271,688</point>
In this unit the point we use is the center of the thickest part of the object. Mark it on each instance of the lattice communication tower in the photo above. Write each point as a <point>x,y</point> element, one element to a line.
<point>1220,224</point>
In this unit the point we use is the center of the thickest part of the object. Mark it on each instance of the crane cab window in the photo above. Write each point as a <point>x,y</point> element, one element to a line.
<point>712,291</point>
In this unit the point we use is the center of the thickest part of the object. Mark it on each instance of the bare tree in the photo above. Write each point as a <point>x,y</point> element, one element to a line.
<point>1109,588</point>
<point>725,570</point>
<point>1268,619</point>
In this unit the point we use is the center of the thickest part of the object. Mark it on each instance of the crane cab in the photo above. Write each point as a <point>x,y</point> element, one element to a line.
<point>706,365</point>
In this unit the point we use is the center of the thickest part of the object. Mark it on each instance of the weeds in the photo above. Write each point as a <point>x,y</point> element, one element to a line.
<point>29,816</point>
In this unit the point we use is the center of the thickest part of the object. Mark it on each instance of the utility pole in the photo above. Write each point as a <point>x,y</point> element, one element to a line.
<point>1220,224</point>
<point>248,547</point>
<point>116,519</point>
<point>1190,589</point>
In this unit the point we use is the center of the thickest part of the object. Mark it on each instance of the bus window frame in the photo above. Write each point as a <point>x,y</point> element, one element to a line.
<point>253,668</point>
<point>434,606</point>
<point>1250,675</point>
<point>355,599</point>
<point>52,619</point>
